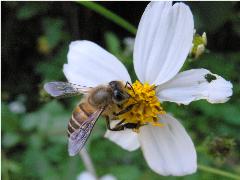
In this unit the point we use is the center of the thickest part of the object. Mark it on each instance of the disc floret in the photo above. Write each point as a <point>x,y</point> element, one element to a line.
<point>147,107</point>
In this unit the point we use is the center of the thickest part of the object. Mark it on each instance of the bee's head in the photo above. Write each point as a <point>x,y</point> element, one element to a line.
<point>119,93</point>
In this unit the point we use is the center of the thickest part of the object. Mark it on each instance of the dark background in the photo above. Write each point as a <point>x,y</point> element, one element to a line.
<point>35,39</point>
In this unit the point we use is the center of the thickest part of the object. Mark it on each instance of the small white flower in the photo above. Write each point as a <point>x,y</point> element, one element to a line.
<point>88,176</point>
<point>129,45</point>
<point>163,40</point>
<point>17,107</point>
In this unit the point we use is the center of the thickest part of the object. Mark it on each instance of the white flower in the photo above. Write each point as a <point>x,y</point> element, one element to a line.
<point>17,107</point>
<point>88,176</point>
<point>163,41</point>
<point>129,45</point>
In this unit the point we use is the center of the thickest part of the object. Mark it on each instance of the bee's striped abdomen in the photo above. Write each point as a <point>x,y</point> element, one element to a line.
<point>79,115</point>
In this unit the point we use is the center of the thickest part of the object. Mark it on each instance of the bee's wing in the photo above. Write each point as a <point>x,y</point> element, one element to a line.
<point>64,89</point>
<point>79,137</point>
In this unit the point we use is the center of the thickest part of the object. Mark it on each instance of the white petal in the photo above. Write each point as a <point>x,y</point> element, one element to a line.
<point>193,85</point>
<point>168,150</point>
<point>163,41</point>
<point>126,139</point>
<point>90,65</point>
<point>108,177</point>
<point>85,175</point>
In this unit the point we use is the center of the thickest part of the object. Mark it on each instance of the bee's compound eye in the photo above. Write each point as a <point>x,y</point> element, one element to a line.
<point>118,95</point>
<point>113,84</point>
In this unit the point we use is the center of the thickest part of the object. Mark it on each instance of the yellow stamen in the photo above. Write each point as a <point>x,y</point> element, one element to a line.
<point>147,107</point>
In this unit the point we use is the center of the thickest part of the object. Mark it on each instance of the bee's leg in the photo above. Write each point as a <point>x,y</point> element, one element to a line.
<point>131,125</point>
<point>118,127</point>
<point>128,108</point>
<point>121,126</point>
<point>134,125</point>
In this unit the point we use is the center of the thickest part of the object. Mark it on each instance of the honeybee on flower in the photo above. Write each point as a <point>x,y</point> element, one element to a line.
<point>163,41</point>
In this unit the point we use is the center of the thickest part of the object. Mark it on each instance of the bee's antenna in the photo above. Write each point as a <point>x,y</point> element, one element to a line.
<point>127,83</point>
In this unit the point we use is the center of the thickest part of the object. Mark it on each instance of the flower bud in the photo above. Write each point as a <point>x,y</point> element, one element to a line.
<point>198,46</point>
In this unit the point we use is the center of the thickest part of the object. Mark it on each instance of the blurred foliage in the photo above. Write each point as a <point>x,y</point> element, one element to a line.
<point>35,40</point>
<point>221,147</point>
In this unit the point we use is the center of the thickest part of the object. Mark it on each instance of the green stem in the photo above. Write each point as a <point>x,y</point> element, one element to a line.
<point>218,171</point>
<point>88,162</point>
<point>109,15</point>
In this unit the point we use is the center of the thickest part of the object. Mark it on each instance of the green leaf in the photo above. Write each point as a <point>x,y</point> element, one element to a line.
<point>50,118</point>
<point>10,139</point>
<point>35,163</point>
<point>212,17</point>
<point>113,43</point>
<point>227,112</point>
<point>10,121</point>
<point>30,121</point>
<point>52,69</point>
<point>123,172</point>
<point>9,165</point>
<point>30,9</point>
<point>53,31</point>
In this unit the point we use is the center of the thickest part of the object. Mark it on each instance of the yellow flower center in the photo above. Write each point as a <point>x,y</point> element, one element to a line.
<point>146,107</point>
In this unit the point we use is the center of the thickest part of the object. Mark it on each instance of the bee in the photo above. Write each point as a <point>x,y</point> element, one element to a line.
<point>105,100</point>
